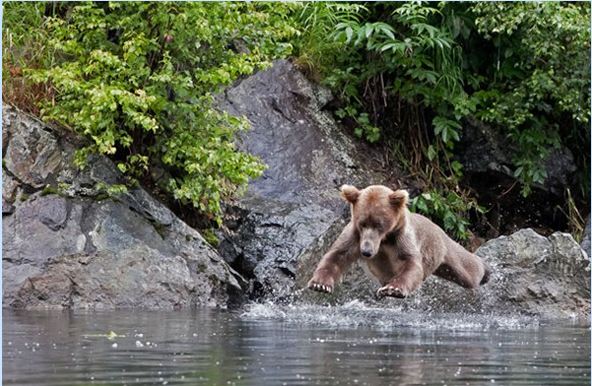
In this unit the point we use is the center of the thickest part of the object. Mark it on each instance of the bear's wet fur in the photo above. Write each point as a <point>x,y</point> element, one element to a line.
<point>401,249</point>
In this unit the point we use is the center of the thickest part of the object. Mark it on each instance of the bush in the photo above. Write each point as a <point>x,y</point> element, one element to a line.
<point>538,92</point>
<point>138,80</point>
<point>410,73</point>
<point>446,209</point>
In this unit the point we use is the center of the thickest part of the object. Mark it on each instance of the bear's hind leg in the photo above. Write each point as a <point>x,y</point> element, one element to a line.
<point>464,269</point>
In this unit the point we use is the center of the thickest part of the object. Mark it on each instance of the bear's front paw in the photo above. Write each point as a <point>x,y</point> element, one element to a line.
<point>316,285</point>
<point>393,291</point>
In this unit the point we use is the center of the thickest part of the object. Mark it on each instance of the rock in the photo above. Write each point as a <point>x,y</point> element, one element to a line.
<point>307,154</point>
<point>560,166</point>
<point>488,169</point>
<point>286,213</point>
<point>32,153</point>
<point>68,244</point>
<point>145,278</point>
<point>483,150</point>
<point>272,237</point>
<point>586,238</point>
<point>531,274</point>
<point>10,191</point>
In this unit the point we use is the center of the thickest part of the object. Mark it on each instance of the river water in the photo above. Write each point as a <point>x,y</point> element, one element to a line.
<point>353,344</point>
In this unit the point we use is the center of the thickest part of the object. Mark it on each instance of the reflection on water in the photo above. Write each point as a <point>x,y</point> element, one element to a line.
<point>271,345</point>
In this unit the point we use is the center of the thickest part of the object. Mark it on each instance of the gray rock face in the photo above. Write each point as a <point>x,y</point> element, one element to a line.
<point>67,244</point>
<point>289,217</point>
<point>31,153</point>
<point>286,212</point>
<point>484,150</point>
<point>531,274</point>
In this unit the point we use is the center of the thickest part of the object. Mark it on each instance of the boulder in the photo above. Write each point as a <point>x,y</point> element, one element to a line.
<point>531,275</point>
<point>483,149</point>
<point>289,211</point>
<point>70,243</point>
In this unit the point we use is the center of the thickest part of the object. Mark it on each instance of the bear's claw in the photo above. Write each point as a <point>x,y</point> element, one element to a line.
<point>389,290</point>
<point>320,287</point>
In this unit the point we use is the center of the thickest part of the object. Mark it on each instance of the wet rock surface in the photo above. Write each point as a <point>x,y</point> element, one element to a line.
<point>294,207</point>
<point>67,243</point>
<point>531,275</point>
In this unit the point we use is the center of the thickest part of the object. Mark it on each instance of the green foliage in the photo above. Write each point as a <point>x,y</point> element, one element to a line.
<point>541,78</point>
<point>418,57</point>
<point>316,21</point>
<point>411,73</point>
<point>364,129</point>
<point>138,79</point>
<point>446,209</point>
<point>210,236</point>
<point>49,189</point>
<point>113,190</point>
<point>22,47</point>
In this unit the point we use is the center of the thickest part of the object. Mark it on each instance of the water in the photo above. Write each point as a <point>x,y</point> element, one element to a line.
<point>271,345</point>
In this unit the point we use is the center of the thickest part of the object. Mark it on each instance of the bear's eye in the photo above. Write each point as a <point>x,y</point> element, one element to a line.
<point>372,224</point>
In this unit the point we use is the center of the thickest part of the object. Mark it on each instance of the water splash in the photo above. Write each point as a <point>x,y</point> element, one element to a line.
<point>357,313</point>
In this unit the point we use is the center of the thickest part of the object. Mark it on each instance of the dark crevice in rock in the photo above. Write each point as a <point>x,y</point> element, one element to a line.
<point>289,272</point>
<point>275,106</point>
<point>509,211</point>
<point>26,188</point>
<point>487,159</point>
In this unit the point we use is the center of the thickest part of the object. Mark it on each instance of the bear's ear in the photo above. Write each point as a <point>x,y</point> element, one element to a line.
<point>398,198</point>
<point>350,193</point>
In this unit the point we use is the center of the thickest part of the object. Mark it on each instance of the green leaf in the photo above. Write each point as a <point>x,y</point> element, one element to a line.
<point>349,33</point>
<point>431,152</point>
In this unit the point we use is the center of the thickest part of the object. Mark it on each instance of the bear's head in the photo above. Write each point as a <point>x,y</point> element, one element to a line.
<point>376,211</point>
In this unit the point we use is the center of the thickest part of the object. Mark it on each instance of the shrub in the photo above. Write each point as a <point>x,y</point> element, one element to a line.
<point>538,92</point>
<point>138,80</point>
<point>410,73</point>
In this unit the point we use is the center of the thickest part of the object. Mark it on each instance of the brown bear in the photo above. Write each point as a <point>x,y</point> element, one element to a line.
<point>400,248</point>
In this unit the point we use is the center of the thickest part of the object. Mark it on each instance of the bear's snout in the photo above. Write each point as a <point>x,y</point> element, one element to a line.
<point>369,242</point>
<point>367,249</point>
